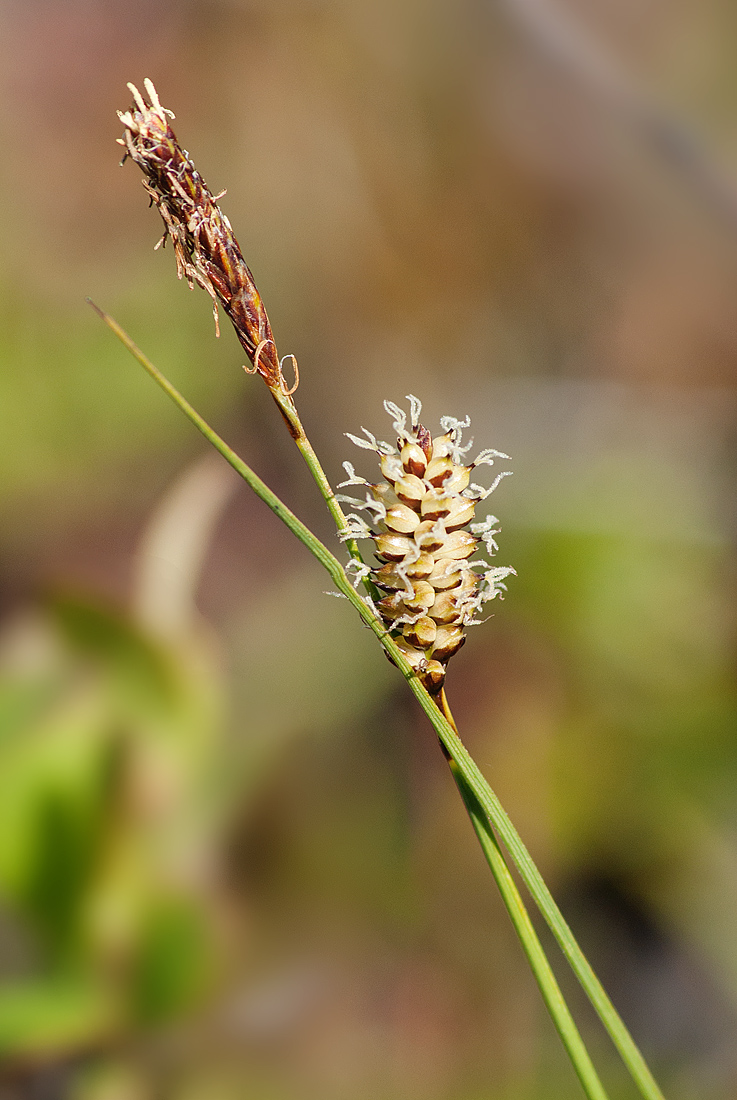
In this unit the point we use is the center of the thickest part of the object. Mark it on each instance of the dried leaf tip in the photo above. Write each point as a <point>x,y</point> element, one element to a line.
<point>205,247</point>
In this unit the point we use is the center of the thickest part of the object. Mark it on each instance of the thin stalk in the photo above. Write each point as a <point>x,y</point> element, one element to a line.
<point>288,410</point>
<point>533,880</point>
<point>533,949</point>
<point>260,488</point>
<point>466,766</point>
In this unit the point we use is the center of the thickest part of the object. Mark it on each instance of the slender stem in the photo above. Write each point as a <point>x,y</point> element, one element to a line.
<point>533,949</point>
<point>260,488</point>
<point>534,882</point>
<point>288,410</point>
<point>466,766</point>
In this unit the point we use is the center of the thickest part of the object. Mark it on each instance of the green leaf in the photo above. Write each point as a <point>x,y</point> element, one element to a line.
<point>174,960</point>
<point>43,1018</point>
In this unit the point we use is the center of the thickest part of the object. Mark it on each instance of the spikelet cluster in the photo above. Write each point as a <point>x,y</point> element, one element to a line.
<point>421,525</point>
<point>205,247</point>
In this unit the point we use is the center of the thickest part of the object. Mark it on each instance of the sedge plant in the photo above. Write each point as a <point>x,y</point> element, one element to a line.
<point>419,512</point>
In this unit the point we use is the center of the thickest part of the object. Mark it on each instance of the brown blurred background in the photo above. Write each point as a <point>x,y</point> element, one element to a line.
<point>232,863</point>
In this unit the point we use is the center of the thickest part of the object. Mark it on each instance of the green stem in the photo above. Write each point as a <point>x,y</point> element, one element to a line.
<point>288,410</point>
<point>524,928</point>
<point>542,897</point>
<point>466,766</point>
<point>260,488</point>
<point>549,988</point>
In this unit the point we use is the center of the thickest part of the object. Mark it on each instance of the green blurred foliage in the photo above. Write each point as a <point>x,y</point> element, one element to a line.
<point>107,748</point>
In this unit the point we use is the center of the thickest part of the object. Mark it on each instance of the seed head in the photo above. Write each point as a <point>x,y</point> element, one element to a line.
<point>420,516</point>
<point>206,250</point>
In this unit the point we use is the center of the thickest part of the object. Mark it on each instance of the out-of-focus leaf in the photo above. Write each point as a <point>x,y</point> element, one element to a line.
<point>115,645</point>
<point>44,1018</point>
<point>174,958</point>
<point>106,763</point>
<point>54,788</point>
<point>111,1080</point>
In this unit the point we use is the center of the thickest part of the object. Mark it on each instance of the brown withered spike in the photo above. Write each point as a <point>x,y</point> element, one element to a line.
<point>206,250</point>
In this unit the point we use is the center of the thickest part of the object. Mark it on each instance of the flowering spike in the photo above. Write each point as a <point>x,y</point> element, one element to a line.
<point>205,248</point>
<point>423,507</point>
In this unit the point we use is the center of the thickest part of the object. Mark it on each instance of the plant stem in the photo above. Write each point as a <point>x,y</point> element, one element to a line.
<point>533,949</point>
<point>288,410</point>
<point>533,880</point>
<point>260,488</point>
<point>466,766</point>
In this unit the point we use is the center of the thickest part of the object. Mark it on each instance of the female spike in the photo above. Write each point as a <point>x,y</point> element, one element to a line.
<point>420,526</point>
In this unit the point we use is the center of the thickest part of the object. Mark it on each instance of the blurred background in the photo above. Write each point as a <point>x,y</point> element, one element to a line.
<point>232,861</point>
